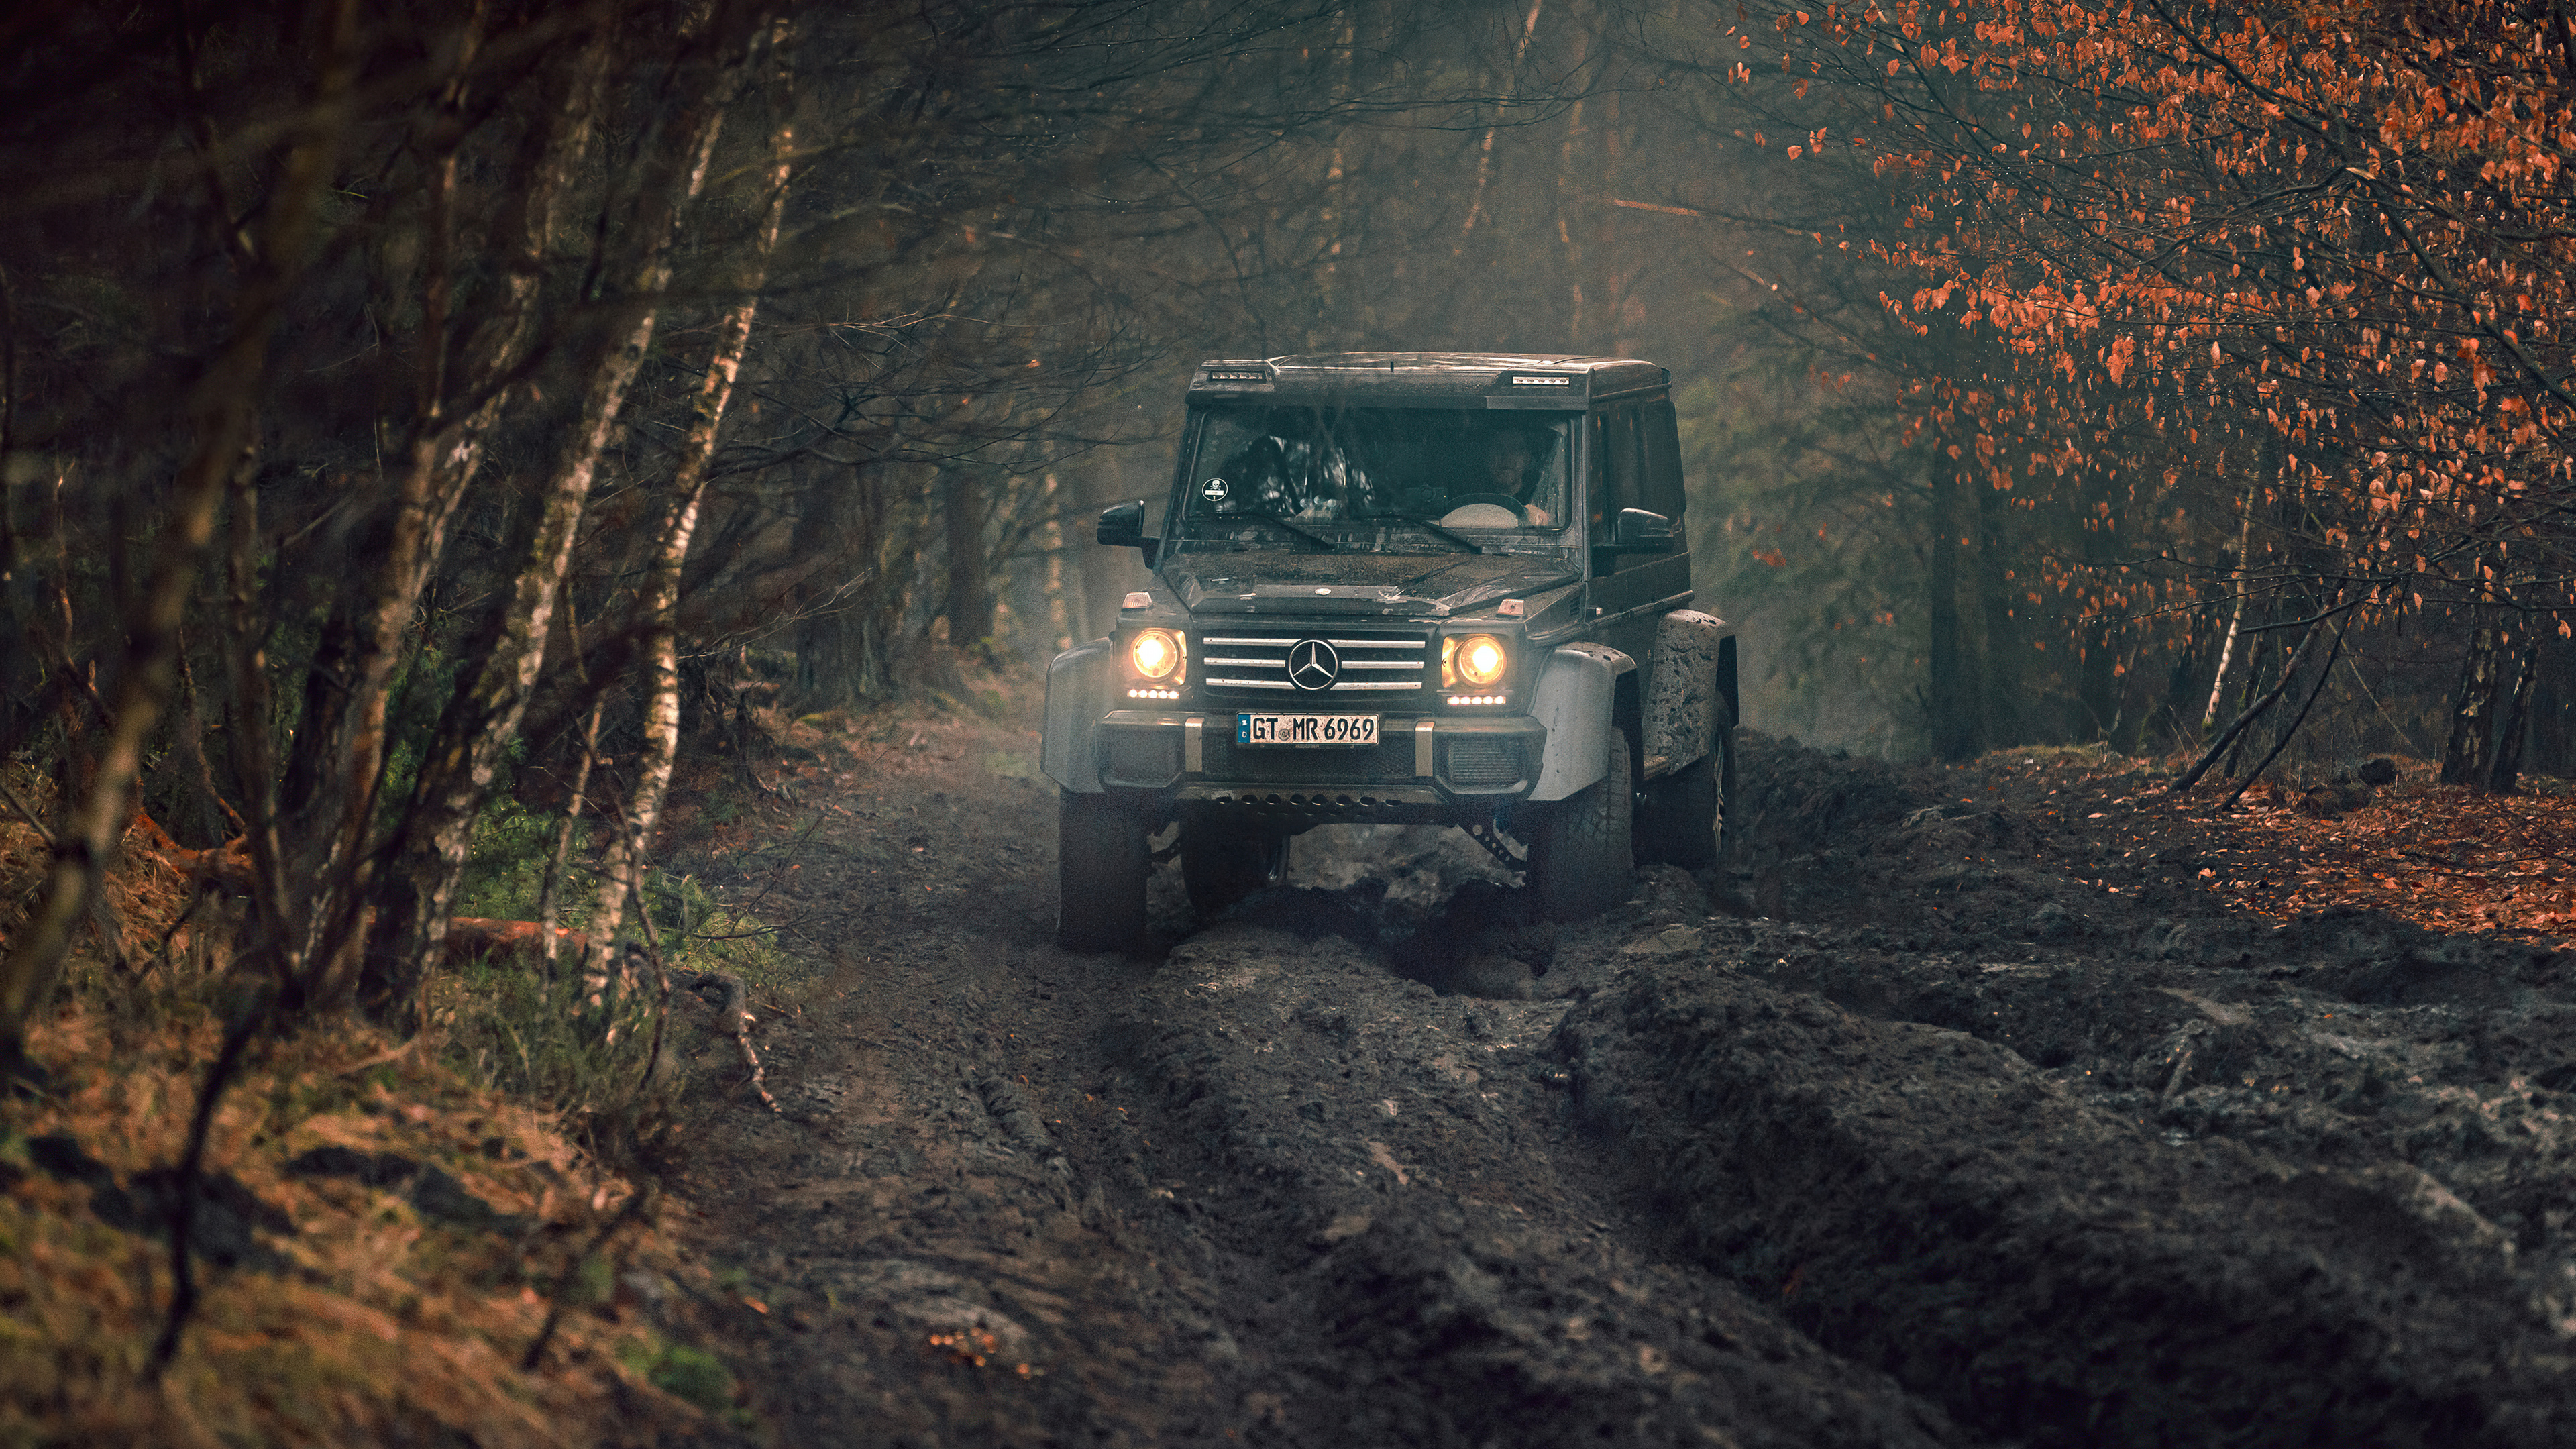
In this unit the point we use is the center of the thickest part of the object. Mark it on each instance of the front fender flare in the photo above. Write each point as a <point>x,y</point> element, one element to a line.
<point>1079,685</point>
<point>1691,696</point>
<point>1576,700</point>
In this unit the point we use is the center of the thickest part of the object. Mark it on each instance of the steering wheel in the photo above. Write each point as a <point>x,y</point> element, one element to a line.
<point>1470,503</point>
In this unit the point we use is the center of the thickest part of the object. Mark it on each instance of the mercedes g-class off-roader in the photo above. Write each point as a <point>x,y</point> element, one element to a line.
<point>1427,588</point>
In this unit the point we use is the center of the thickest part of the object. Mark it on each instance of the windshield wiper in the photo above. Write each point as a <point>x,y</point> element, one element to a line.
<point>1459,539</point>
<point>1328,545</point>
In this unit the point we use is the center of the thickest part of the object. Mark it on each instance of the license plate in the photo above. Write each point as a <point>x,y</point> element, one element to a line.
<point>1305,729</point>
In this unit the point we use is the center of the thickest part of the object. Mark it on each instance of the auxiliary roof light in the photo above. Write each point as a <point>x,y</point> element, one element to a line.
<point>1237,374</point>
<point>1542,379</point>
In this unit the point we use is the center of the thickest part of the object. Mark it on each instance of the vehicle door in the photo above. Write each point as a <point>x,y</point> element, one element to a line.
<point>1634,461</point>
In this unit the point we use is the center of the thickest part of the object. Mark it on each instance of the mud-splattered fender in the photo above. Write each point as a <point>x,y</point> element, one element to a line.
<point>1079,683</point>
<point>1687,699</point>
<point>1574,700</point>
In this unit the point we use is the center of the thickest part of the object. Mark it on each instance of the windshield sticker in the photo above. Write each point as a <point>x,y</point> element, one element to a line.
<point>1214,490</point>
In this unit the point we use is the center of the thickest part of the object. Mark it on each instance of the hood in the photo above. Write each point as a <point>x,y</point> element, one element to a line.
<point>1375,584</point>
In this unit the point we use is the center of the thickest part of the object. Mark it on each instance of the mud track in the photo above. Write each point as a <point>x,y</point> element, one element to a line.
<point>1935,1122</point>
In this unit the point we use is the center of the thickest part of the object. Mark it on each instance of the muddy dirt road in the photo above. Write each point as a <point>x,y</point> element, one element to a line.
<point>1938,1120</point>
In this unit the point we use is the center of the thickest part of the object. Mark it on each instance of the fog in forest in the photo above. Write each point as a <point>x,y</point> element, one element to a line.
<point>492,491</point>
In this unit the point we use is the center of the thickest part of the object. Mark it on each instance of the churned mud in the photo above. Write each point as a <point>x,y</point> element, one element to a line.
<point>1963,1108</point>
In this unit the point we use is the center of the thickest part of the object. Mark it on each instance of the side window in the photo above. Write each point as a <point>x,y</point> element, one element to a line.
<point>1618,469</point>
<point>1663,439</point>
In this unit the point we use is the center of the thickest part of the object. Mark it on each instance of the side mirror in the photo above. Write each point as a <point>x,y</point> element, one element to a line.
<point>1639,531</point>
<point>1122,525</point>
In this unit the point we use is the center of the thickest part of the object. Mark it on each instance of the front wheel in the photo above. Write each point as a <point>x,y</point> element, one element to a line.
<point>1101,861</point>
<point>1581,854</point>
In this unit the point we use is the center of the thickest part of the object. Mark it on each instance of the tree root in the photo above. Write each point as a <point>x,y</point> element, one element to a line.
<point>736,1010</point>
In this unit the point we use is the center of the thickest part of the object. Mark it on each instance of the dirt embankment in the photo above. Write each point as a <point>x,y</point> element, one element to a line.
<point>1942,1120</point>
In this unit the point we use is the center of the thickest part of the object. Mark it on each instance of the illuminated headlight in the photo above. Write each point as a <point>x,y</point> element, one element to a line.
<point>1155,654</point>
<point>1477,660</point>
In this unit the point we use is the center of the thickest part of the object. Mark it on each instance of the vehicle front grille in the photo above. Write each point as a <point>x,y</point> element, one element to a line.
<point>1251,662</point>
<point>1288,765</point>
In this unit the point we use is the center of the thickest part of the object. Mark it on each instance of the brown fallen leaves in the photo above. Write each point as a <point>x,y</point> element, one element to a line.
<point>376,1319</point>
<point>2442,856</point>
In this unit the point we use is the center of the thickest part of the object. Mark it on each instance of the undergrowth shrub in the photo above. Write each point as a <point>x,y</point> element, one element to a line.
<point>578,1046</point>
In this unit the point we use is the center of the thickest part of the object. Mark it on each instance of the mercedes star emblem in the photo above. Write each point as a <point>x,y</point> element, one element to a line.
<point>1312,664</point>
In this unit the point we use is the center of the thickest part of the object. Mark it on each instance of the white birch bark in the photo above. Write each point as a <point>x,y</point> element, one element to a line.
<point>620,876</point>
<point>417,897</point>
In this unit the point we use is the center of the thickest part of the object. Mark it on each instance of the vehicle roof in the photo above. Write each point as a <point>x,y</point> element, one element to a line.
<point>1428,377</point>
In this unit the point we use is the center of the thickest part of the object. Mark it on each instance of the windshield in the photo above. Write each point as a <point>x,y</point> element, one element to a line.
<point>1452,468</point>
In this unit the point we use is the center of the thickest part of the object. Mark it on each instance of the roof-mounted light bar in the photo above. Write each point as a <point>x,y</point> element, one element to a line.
<point>1237,374</point>
<point>1542,379</point>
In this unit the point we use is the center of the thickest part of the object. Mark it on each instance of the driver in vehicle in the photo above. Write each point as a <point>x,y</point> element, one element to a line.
<point>1512,461</point>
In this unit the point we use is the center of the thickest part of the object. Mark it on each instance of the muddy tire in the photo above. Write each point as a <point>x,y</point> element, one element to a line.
<point>1682,820</point>
<point>1581,847</point>
<point>1221,868</point>
<point>1101,862</point>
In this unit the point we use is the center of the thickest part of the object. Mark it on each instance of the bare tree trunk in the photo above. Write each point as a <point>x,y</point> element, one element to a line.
<point>620,873</point>
<point>18,672</point>
<point>222,410</point>
<point>2283,742</point>
<point>2467,756</point>
<point>2236,728</point>
<point>1485,151</point>
<point>2506,772</point>
<point>428,860</point>
<point>341,744</point>
<point>246,665</point>
<point>1060,614</point>
<point>1998,706</point>
<point>970,585</point>
<point>2235,620</point>
<point>549,895</point>
<point>1947,695</point>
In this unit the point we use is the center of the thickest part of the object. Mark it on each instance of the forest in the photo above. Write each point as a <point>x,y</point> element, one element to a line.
<point>430,425</point>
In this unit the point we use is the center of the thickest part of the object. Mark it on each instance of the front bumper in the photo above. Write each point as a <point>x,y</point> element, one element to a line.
<point>1418,762</point>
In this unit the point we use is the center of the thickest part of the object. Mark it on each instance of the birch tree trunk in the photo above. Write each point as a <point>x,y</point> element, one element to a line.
<point>620,876</point>
<point>329,794</point>
<point>2236,620</point>
<point>428,857</point>
<point>222,410</point>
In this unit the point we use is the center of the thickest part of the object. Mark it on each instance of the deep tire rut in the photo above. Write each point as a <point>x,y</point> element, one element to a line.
<point>1375,1159</point>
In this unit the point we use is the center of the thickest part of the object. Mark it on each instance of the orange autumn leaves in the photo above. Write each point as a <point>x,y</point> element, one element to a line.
<point>2328,244</point>
<point>2441,856</point>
